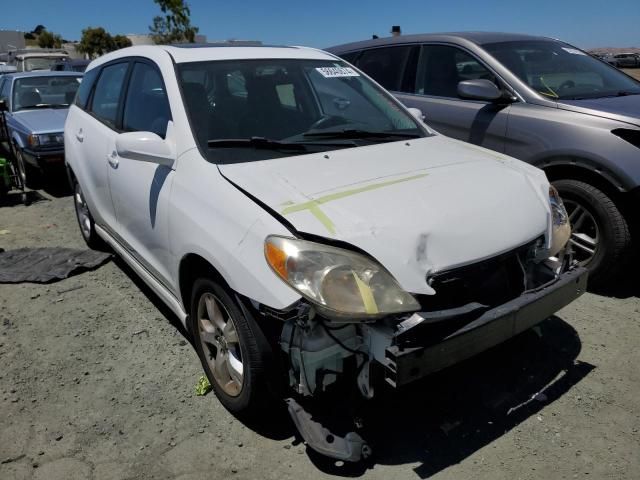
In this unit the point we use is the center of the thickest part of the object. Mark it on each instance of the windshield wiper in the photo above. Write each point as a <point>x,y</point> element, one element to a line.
<point>255,142</point>
<point>355,133</point>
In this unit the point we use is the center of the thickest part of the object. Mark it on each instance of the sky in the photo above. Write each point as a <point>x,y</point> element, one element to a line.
<point>584,23</point>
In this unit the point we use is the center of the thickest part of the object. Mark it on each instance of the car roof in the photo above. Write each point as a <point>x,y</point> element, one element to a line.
<point>41,54</point>
<point>223,51</point>
<point>43,73</point>
<point>479,38</point>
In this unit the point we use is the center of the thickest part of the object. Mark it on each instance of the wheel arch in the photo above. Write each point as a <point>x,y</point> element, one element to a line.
<point>576,168</point>
<point>192,266</point>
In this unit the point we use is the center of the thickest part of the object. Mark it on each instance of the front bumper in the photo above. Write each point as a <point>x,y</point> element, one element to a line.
<point>404,364</point>
<point>44,158</point>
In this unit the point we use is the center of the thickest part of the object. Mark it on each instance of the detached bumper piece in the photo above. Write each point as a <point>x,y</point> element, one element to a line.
<point>411,357</point>
<point>350,448</point>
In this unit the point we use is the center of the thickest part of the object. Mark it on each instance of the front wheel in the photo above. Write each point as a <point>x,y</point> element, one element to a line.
<point>600,234</point>
<point>30,176</point>
<point>232,355</point>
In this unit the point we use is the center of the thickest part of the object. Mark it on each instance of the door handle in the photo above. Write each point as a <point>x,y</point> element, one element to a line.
<point>80,135</point>
<point>112,158</point>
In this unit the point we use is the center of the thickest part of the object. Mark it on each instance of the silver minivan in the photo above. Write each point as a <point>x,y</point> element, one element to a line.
<point>537,99</point>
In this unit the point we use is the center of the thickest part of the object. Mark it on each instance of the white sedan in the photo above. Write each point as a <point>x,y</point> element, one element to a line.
<point>307,228</point>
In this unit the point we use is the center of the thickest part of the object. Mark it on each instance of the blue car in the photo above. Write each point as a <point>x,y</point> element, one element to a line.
<point>35,106</point>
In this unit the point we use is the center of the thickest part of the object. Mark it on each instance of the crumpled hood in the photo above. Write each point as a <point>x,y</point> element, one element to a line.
<point>625,109</point>
<point>417,207</point>
<point>45,120</point>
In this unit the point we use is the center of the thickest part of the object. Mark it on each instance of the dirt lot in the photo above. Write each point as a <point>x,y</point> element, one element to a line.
<point>634,72</point>
<point>97,382</point>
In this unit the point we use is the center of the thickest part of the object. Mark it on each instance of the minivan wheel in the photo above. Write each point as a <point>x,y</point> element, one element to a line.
<point>228,347</point>
<point>29,175</point>
<point>85,220</point>
<point>600,234</point>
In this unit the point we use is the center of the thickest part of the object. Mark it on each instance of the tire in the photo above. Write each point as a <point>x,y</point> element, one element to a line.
<point>85,220</point>
<point>30,175</point>
<point>612,235</point>
<point>249,394</point>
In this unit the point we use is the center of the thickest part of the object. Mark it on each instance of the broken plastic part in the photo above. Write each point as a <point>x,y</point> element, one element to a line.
<point>351,448</point>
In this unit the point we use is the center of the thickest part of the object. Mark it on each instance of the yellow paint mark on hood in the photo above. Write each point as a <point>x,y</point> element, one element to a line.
<point>314,205</point>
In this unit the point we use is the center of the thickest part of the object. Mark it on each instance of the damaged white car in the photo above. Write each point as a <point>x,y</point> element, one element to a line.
<point>308,229</point>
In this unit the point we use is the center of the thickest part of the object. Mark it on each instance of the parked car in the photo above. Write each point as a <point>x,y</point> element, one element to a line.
<point>38,60</point>
<point>539,100</point>
<point>607,57</point>
<point>6,69</point>
<point>35,106</point>
<point>70,65</point>
<point>627,60</point>
<point>304,226</point>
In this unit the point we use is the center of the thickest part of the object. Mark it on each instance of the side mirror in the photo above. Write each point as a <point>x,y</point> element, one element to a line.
<point>3,106</point>
<point>146,147</point>
<point>417,114</point>
<point>479,89</point>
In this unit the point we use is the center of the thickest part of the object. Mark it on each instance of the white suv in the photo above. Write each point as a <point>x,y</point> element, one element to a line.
<point>305,226</point>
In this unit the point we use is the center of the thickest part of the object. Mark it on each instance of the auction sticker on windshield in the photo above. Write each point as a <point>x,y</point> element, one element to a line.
<point>333,72</point>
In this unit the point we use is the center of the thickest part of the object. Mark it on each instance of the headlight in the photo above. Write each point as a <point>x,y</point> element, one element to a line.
<point>560,228</point>
<point>46,140</point>
<point>340,282</point>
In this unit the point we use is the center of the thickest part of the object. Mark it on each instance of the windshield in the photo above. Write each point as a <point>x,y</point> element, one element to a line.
<point>43,92</point>
<point>562,72</point>
<point>272,108</point>
<point>39,63</point>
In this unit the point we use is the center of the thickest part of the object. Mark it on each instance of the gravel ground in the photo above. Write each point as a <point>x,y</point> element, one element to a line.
<point>97,382</point>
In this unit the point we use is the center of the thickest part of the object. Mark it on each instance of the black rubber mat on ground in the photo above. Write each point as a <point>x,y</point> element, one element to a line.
<point>44,265</point>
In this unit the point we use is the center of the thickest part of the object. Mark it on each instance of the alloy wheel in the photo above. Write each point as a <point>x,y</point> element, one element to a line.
<point>585,234</point>
<point>82,210</point>
<point>220,343</point>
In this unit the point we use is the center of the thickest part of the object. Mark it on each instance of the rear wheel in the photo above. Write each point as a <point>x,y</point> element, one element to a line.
<point>85,220</point>
<point>600,234</point>
<point>230,352</point>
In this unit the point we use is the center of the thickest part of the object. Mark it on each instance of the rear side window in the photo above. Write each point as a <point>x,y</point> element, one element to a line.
<point>351,57</point>
<point>387,66</point>
<point>82,97</point>
<point>106,96</point>
<point>147,107</point>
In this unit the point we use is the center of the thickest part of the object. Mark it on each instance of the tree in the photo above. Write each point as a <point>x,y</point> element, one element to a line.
<point>47,39</point>
<point>121,41</point>
<point>175,26</point>
<point>39,29</point>
<point>97,41</point>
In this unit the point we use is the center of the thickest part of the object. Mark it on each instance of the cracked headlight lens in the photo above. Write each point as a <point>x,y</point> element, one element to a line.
<point>560,227</point>
<point>339,282</point>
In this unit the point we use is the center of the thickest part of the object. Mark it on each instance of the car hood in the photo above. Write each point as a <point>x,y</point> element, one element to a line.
<point>45,120</point>
<point>625,109</point>
<point>417,206</point>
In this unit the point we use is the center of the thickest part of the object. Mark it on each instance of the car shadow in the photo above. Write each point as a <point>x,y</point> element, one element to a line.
<point>16,197</point>
<point>445,418</point>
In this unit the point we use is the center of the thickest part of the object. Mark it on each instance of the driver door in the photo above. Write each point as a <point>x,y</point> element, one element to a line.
<point>140,190</point>
<point>440,69</point>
